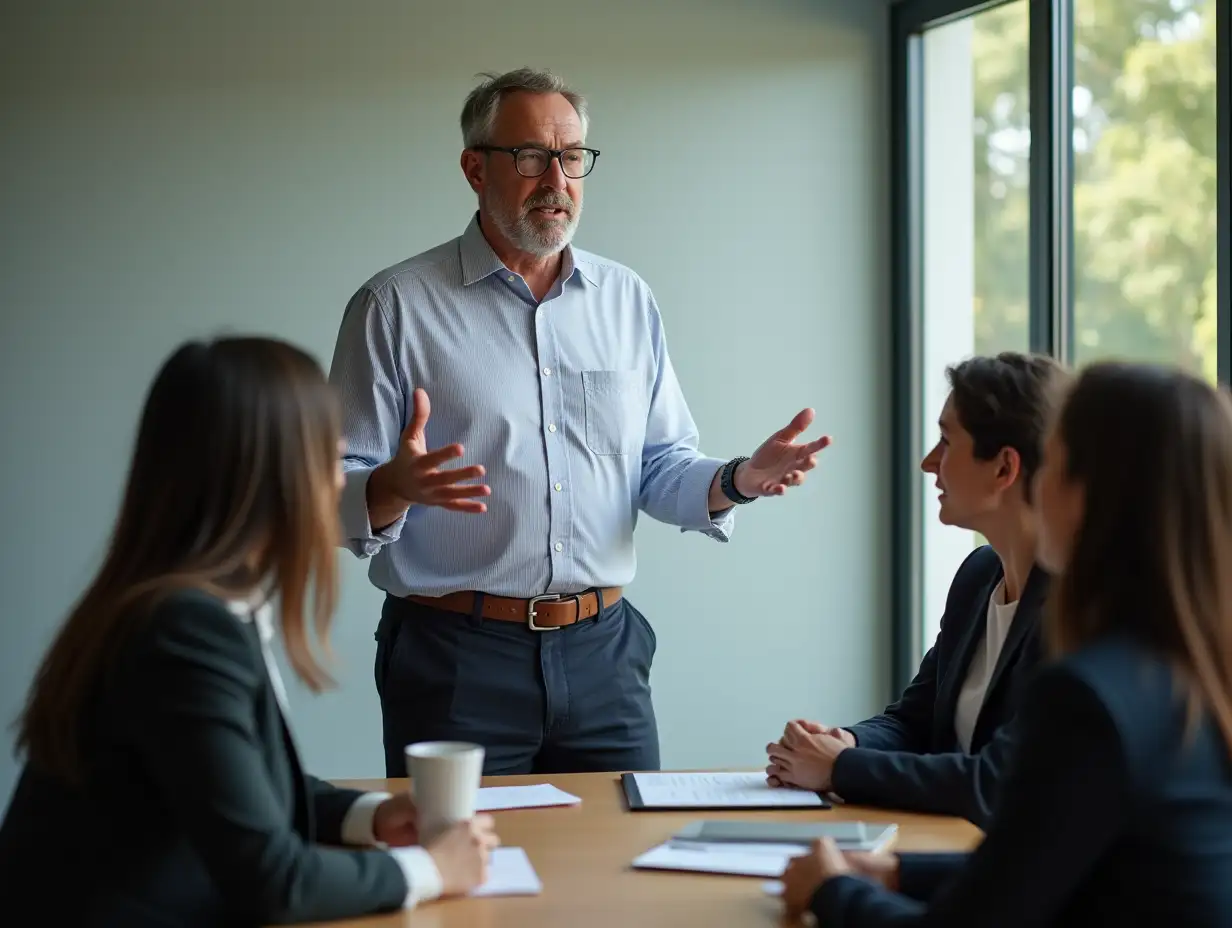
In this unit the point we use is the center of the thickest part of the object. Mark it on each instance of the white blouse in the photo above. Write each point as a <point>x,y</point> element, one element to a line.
<point>971,698</point>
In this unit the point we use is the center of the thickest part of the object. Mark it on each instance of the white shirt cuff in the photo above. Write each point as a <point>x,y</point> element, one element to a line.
<point>423,879</point>
<point>693,507</point>
<point>357,823</point>
<point>361,537</point>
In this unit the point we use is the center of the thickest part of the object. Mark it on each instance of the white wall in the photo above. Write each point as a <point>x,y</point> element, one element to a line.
<point>167,172</point>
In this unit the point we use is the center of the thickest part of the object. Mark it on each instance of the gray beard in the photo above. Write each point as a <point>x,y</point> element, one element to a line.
<point>540,240</point>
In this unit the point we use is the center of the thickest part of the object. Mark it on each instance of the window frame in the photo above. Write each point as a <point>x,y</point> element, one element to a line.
<point>1051,321</point>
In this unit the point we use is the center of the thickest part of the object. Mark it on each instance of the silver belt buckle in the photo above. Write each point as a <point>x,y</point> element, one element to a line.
<point>545,598</point>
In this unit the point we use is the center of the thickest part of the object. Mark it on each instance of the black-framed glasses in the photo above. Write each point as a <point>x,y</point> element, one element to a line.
<point>532,161</point>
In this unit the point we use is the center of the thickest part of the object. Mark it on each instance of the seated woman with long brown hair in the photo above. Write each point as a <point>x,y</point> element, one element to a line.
<point>1118,806</point>
<point>161,786</point>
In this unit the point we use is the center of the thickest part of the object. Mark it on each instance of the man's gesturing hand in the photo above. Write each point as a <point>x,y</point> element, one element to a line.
<point>414,476</point>
<point>780,462</point>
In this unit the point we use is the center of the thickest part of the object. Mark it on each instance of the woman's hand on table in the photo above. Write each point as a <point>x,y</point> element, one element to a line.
<point>461,854</point>
<point>824,861</point>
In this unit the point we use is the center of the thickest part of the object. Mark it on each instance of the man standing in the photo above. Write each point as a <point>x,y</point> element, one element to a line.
<point>504,621</point>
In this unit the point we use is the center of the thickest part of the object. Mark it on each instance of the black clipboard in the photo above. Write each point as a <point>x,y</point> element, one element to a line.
<point>633,797</point>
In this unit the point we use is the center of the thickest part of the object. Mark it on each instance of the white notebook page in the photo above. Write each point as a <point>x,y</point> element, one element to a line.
<point>716,790</point>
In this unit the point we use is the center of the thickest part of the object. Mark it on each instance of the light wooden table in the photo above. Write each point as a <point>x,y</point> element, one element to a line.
<point>583,853</point>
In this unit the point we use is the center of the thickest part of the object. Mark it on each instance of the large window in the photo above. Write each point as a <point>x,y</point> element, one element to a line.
<point>1145,272</point>
<point>976,214</point>
<point>1061,184</point>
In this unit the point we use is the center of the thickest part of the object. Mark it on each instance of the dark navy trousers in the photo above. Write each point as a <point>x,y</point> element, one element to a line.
<point>567,701</point>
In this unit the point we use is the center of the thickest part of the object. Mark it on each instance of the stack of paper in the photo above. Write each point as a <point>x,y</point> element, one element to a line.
<point>500,798</point>
<point>510,873</point>
<point>764,860</point>
<point>757,848</point>
<point>721,790</point>
<point>849,836</point>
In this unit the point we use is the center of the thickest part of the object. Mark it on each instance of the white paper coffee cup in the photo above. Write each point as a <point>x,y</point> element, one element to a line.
<point>445,779</point>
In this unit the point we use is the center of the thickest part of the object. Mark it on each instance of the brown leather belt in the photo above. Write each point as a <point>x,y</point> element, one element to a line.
<point>539,613</point>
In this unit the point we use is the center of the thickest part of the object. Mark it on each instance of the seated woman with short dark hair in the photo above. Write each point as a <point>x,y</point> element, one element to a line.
<point>943,746</point>
<point>1117,809</point>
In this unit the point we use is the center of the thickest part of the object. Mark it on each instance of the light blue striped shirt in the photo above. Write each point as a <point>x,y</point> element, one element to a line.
<point>571,405</point>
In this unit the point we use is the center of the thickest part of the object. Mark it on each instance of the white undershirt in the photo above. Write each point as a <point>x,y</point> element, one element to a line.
<point>983,663</point>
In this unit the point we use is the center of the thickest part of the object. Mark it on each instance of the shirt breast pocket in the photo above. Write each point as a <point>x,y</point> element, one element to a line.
<point>615,411</point>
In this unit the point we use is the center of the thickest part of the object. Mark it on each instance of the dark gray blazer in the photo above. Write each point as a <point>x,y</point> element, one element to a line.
<point>1115,811</point>
<point>194,809</point>
<point>908,757</point>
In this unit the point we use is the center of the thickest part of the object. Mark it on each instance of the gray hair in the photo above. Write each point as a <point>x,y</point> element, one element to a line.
<point>482,103</point>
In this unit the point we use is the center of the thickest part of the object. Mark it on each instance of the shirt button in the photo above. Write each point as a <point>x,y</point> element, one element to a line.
<point>552,427</point>
<point>510,278</point>
<point>559,546</point>
<point>547,372</point>
<point>558,486</point>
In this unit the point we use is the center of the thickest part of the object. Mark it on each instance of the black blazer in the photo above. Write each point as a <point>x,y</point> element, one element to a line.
<point>908,757</point>
<point>1113,813</point>
<point>194,809</point>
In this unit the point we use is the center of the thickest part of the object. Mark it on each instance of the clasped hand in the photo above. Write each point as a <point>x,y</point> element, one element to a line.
<point>805,755</point>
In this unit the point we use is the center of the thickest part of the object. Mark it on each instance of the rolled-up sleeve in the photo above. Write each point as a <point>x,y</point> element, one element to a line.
<point>366,374</point>
<point>676,477</point>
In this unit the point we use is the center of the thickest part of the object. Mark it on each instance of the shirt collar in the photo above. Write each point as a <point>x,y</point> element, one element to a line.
<point>260,612</point>
<point>582,268</point>
<point>479,261</point>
